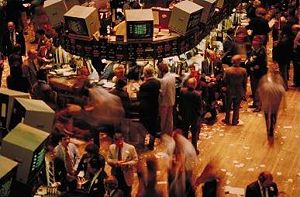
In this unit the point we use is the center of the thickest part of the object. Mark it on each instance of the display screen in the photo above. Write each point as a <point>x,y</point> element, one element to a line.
<point>37,161</point>
<point>3,109</point>
<point>76,26</point>
<point>140,30</point>
<point>17,116</point>
<point>6,182</point>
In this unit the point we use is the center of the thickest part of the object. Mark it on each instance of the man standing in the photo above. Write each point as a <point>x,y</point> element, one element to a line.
<point>258,67</point>
<point>263,187</point>
<point>190,110</point>
<point>149,106</point>
<point>166,98</point>
<point>235,80</point>
<point>122,157</point>
<point>11,38</point>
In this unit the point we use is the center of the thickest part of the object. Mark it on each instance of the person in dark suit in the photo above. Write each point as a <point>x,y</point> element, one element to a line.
<point>149,106</point>
<point>97,176</point>
<point>259,25</point>
<point>235,81</point>
<point>2,58</point>
<point>190,108</point>
<point>257,64</point>
<point>263,187</point>
<point>11,38</point>
<point>111,187</point>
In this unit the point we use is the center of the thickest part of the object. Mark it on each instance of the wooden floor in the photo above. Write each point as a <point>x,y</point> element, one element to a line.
<point>240,153</point>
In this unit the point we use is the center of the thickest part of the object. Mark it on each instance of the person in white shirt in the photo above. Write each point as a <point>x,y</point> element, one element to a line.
<point>166,98</point>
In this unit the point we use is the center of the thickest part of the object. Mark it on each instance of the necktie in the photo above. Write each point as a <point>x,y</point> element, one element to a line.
<point>12,37</point>
<point>51,178</point>
<point>119,154</point>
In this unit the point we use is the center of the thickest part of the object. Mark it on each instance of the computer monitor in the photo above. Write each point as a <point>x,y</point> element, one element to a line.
<point>82,21</point>
<point>8,169</point>
<point>25,145</point>
<point>35,113</point>
<point>139,24</point>
<point>7,97</point>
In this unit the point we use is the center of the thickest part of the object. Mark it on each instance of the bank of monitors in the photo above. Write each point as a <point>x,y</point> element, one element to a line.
<point>7,97</point>
<point>139,24</point>
<point>82,21</point>
<point>35,113</point>
<point>8,169</point>
<point>25,145</point>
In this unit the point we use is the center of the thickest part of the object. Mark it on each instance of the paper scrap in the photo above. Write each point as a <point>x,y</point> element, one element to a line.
<point>290,180</point>
<point>279,173</point>
<point>287,127</point>
<point>262,165</point>
<point>250,169</point>
<point>223,170</point>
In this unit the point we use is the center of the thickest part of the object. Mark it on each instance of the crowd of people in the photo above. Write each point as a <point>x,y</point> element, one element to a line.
<point>164,110</point>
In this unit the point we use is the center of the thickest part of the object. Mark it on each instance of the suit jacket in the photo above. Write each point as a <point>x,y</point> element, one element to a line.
<point>253,190</point>
<point>96,184</point>
<point>8,45</point>
<point>129,155</point>
<point>258,58</point>
<point>148,97</point>
<point>235,80</point>
<point>190,106</point>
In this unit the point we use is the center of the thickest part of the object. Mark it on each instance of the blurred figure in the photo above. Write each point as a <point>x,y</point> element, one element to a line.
<point>121,92</point>
<point>103,108</point>
<point>271,92</point>
<point>262,187</point>
<point>235,81</point>
<point>149,106</point>
<point>190,109</point>
<point>166,98</point>
<point>212,181</point>
<point>111,187</point>
<point>148,179</point>
<point>122,157</point>
<point>181,169</point>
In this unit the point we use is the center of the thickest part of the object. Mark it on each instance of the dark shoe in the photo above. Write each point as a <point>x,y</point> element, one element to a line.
<point>236,123</point>
<point>256,110</point>
<point>225,122</point>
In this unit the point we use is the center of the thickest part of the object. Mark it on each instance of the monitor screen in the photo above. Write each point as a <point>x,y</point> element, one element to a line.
<point>76,26</point>
<point>18,114</point>
<point>3,109</point>
<point>140,30</point>
<point>37,161</point>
